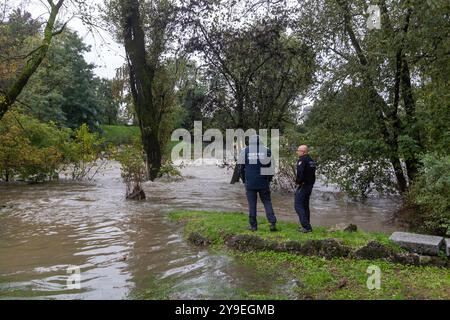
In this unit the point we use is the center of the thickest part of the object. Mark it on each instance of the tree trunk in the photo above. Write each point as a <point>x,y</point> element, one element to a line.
<point>240,107</point>
<point>390,137</point>
<point>141,74</point>
<point>152,149</point>
<point>403,85</point>
<point>412,163</point>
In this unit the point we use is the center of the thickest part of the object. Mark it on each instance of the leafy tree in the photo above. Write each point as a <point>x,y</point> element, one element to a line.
<point>348,143</point>
<point>388,65</point>
<point>109,104</point>
<point>64,88</point>
<point>263,71</point>
<point>9,94</point>
<point>17,34</point>
<point>192,94</point>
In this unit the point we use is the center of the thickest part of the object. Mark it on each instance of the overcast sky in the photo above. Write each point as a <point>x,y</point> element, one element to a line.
<point>105,53</point>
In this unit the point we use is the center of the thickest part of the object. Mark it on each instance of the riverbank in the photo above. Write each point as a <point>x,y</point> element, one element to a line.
<point>297,276</point>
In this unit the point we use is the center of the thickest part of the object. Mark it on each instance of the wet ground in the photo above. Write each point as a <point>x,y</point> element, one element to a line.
<point>124,248</point>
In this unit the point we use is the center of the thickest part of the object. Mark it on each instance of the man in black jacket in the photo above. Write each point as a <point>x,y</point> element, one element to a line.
<point>306,177</point>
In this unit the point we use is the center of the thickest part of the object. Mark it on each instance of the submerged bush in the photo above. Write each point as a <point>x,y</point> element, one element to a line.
<point>31,150</point>
<point>133,169</point>
<point>85,154</point>
<point>168,169</point>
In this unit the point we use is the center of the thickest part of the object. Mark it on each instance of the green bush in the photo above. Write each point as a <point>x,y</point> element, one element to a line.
<point>430,194</point>
<point>29,149</point>
<point>32,150</point>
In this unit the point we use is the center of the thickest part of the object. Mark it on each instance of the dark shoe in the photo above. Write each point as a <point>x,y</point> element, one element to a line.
<point>273,227</point>
<point>252,228</point>
<point>303,230</point>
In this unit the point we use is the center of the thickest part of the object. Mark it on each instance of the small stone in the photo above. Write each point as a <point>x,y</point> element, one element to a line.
<point>347,227</point>
<point>418,243</point>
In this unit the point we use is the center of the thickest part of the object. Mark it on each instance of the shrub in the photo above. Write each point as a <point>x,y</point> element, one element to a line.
<point>30,150</point>
<point>430,193</point>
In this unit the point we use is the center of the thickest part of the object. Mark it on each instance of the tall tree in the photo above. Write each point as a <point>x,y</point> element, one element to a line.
<point>264,70</point>
<point>144,27</point>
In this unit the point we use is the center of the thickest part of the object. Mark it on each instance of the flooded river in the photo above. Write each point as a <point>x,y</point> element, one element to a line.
<point>124,248</point>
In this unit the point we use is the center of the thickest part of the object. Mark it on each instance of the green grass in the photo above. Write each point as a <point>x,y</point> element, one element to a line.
<point>347,279</point>
<point>120,134</point>
<point>317,278</point>
<point>214,225</point>
<point>156,290</point>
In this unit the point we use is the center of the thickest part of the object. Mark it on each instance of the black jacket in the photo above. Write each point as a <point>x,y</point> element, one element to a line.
<point>306,170</point>
<point>252,173</point>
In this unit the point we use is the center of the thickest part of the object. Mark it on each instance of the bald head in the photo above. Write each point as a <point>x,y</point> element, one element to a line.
<point>302,150</point>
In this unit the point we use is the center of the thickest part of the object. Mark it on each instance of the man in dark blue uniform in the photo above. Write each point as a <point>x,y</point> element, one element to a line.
<point>305,179</point>
<point>256,172</point>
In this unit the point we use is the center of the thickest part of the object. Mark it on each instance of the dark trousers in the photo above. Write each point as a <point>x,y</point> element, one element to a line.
<point>252,198</point>
<point>301,205</point>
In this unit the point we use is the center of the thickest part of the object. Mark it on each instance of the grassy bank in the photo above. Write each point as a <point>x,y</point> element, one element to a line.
<point>308,277</point>
<point>120,134</point>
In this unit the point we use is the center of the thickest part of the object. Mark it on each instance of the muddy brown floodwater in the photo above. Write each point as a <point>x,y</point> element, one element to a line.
<point>126,247</point>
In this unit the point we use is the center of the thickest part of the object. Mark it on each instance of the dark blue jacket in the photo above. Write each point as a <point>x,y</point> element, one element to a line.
<point>306,170</point>
<point>251,162</point>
